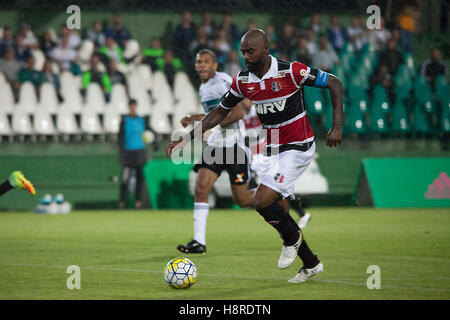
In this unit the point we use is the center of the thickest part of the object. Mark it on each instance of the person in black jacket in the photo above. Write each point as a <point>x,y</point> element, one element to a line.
<point>132,152</point>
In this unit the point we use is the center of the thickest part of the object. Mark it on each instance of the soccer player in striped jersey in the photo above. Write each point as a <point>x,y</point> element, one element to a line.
<point>276,89</point>
<point>226,139</point>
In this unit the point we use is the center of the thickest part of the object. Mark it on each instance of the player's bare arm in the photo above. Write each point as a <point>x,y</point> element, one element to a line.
<point>211,120</point>
<point>236,114</point>
<point>191,119</point>
<point>334,136</point>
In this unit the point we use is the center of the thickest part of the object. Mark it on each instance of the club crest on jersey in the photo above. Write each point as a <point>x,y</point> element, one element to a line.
<point>276,86</point>
<point>278,178</point>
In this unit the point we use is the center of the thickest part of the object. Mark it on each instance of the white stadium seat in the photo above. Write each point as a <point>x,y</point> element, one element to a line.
<point>66,123</point>
<point>48,98</point>
<point>90,122</point>
<point>39,59</point>
<point>5,128</point>
<point>72,100</point>
<point>179,84</point>
<point>112,121</point>
<point>27,97</point>
<point>7,98</point>
<point>43,124</point>
<point>95,99</point>
<point>162,93</point>
<point>132,49</point>
<point>119,99</point>
<point>2,78</point>
<point>86,50</point>
<point>138,92</point>
<point>145,73</point>
<point>21,123</point>
<point>159,121</point>
<point>67,80</point>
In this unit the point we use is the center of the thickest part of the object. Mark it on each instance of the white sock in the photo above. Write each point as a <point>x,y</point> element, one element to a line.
<point>201,211</point>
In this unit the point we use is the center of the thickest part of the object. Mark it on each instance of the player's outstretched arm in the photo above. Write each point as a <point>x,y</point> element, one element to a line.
<point>213,118</point>
<point>334,136</point>
<point>236,114</point>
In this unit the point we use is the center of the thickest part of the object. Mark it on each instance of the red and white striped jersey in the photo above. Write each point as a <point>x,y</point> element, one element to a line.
<point>278,100</point>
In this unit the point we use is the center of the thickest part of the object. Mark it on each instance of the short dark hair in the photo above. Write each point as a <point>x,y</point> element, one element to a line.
<point>132,101</point>
<point>208,51</point>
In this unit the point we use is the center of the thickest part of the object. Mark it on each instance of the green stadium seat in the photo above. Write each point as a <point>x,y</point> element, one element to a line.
<point>378,122</point>
<point>356,122</point>
<point>400,120</point>
<point>423,94</point>
<point>314,101</point>
<point>403,77</point>
<point>339,72</point>
<point>358,98</point>
<point>410,63</point>
<point>380,99</point>
<point>441,86</point>
<point>421,120</point>
<point>444,102</point>
<point>348,61</point>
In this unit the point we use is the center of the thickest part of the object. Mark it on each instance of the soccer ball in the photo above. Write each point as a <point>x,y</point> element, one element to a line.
<point>180,273</point>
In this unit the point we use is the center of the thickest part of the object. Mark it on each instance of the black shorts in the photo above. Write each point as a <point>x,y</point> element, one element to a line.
<point>235,160</point>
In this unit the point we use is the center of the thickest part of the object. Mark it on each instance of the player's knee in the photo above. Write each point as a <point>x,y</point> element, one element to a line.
<point>273,212</point>
<point>202,189</point>
<point>261,202</point>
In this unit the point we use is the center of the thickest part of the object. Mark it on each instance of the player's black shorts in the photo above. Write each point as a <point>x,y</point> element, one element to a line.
<point>235,160</point>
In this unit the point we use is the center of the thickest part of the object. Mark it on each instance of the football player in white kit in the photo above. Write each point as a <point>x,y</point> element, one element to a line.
<point>223,141</point>
<point>261,163</point>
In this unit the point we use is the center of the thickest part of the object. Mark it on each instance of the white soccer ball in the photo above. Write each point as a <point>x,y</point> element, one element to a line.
<point>180,273</point>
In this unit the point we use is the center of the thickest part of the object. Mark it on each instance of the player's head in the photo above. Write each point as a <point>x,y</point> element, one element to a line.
<point>206,64</point>
<point>255,49</point>
<point>132,105</point>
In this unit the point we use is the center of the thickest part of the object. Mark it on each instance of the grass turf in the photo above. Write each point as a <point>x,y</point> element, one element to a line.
<point>122,255</point>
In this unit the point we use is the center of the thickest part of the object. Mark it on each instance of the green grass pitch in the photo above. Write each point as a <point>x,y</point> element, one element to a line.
<point>122,255</point>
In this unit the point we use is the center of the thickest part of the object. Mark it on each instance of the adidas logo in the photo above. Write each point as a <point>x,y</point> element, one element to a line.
<point>440,188</point>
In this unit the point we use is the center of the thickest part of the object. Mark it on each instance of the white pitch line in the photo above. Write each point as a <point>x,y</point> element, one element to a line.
<point>344,282</point>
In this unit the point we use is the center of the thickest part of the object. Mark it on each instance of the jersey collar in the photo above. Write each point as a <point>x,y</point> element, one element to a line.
<point>272,72</point>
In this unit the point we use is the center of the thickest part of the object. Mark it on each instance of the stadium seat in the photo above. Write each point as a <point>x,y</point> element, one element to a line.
<point>421,120</point>
<point>2,78</point>
<point>159,121</point>
<point>380,99</point>
<point>444,103</point>
<point>73,101</point>
<point>132,49</point>
<point>400,120</point>
<point>180,82</point>
<point>7,98</point>
<point>112,120</point>
<point>95,99</point>
<point>90,122</point>
<point>441,88</point>
<point>339,72</point>
<point>145,73</point>
<point>423,94</point>
<point>356,122</point>
<point>43,124</point>
<point>378,121</point>
<point>314,101</point>
<point>86,50</point>
<point>39,59</point>
<point>5,128</point>
<point>21,123</point>
<point>66,123</point>
<point>48,99</point>
<point>358,98</point>
<point>119,99</point>
<point>410,63</point>
<point>162,93</point>
<point>27,97</point>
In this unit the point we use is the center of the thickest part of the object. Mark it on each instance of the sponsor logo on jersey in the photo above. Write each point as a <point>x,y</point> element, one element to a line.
<point>279,178</point>
<point>270,107</point>
<point>276,86</point>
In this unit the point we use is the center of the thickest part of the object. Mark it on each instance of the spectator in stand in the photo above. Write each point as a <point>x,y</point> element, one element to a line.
<point>433,67</point>
<point>337,35</point>
<point>221,43</point>
<point>29,74</point>
<point>72,37</point>
<point>182,37</point>
<point>250,25</point>
<point>272,37</point>
<point>208,25</point>
<point>154,52</point>
<point>286,42</point>
<point>316,24</point>
<point>230,28</point>
<point>119,33</point>
<point>391,56</point>
<point>311,42</point>
<point>379,37</point>
<point>22,51</point>
<point>407,22</point>
<point>382,77</point>
<point>53,78</point>
<point>29,40</point>
<point>111,50</point>
<point>326,57</point>
<point>9,66</point>
<point>63,55</point>
<point>232,67</point>
<point>169,65</point>
<point>7,41</point>
<point>97,76</point>
<point>115,75</point>
<point>357,35</point>
<point>47,43</point>
<point>97,35</point>
<point>201,42</point>
<point>302,53</point>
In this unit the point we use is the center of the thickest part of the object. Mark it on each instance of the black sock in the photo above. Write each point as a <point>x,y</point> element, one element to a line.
<point>308,258</point>
<point>297,206</point>
<point>5,187</point>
